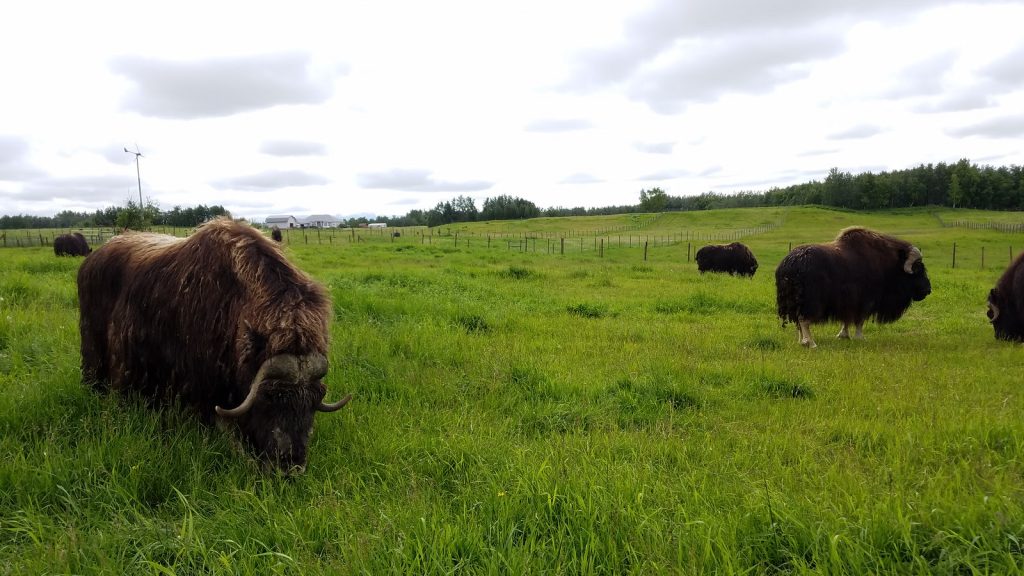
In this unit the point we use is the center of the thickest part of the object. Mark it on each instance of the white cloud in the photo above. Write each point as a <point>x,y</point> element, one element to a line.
<point>415,180</point>
<point>317,109</point>
<point>219,86</point>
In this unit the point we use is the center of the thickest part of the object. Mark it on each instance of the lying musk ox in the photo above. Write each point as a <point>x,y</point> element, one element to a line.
<point>220,322</point>
<point>859,275</point>
<point>73,244</point>
<point>733,258</point>
<point>1006,303</point>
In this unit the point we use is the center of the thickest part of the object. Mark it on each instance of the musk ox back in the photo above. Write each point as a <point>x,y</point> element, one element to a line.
<point>734,258</point>
<point>1006,303</point>
<point>73,244</point>
<point>220,322</point>
<point>861,274</point>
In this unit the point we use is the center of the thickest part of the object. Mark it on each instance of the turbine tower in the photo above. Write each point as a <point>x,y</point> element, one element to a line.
<point>137,174</point>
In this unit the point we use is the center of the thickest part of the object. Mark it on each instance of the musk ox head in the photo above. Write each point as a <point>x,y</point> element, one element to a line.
<point>1003,316</point>
<point>917,283</point>
<point>275,419</point>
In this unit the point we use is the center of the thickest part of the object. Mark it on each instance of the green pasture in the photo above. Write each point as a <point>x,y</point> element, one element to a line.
<point>518,411</point>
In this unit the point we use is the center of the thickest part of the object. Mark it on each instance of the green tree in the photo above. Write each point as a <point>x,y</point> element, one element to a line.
<point>653,200</point>
<point>956,194</point>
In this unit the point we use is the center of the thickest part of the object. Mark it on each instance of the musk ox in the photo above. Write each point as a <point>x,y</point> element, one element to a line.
<point>859,275</point>
<point>220,322</point>
<point>275,233</point>
<point>73,244</point>
<point>734,258</point>
<point>1006,303</point>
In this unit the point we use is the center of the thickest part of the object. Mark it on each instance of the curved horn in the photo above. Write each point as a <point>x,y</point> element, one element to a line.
<point>278,363</point>
<point>312,366</point>
<point>993,312</point>
<point>914,256</point>
<point>324,407</point>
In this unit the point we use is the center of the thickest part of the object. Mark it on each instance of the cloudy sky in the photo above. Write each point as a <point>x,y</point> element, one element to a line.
<point>383,106</point>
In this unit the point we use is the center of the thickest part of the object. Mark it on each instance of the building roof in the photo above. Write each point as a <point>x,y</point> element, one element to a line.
<point>321,218</point>
<point>279,218</point>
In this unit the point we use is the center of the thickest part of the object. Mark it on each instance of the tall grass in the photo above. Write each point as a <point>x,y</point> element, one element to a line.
<point>529,412</point>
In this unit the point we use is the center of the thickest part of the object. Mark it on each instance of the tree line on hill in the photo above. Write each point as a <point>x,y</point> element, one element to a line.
<point>118,216</point>
<point>960,185</point>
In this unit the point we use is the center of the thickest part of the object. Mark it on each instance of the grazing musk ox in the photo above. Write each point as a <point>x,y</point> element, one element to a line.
<point>859,275</point>
<point>220,322</point>
<point>734,258</point>
<point>73,244</point>
<point>1006,303</point>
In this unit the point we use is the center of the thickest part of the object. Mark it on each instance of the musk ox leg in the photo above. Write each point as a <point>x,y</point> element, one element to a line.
<point>805,333</point>
<point>859,334</point>
<point>844,332</point>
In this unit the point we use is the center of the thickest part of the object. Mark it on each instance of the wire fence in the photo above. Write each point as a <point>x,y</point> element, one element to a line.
<point>596,241</point>
<point>1010,227</point>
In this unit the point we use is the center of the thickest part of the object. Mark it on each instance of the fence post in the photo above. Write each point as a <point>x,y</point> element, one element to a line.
<point>982,257</point>
<point>954,254</point>
<point>562,250</point>
<point>687,251</point>
<point>645,251</point>
<point>602,247</point>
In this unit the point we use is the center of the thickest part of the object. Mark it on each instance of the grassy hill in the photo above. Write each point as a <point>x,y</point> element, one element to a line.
<point>524,411</point>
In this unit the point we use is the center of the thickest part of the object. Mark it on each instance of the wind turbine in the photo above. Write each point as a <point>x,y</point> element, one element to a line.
<point>137,174</point>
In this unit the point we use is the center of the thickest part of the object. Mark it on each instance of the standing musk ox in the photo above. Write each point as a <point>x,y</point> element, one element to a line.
<point>1006,303</point>
<point>73,244</point>
<point>733,258</point>
<point>220,322</point>
<point>275,233</point>
<point>859,275</point>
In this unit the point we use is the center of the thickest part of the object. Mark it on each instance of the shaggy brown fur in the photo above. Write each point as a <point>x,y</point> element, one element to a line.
<point>857,276</point>
<point>1006,303</point>
<point>192,320</point>
<point>73,244</point>
<point>734,258</point>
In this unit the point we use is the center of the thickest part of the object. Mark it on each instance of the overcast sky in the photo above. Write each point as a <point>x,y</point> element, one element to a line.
<point>384,106</point>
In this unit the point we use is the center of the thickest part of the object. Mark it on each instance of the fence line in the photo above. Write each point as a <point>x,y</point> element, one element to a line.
<point>1013,228</point>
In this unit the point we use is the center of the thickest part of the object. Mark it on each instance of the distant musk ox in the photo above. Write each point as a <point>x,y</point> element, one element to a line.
<point>1006,303</point>
<point>733,258</point>
<point>275,233</point>
<point>219,321</point>
<point>859,275</point>
<point>73,244</point>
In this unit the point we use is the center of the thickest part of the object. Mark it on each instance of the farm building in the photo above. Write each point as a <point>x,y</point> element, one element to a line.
<point>378,225</point>
<point>321,221</point>
<point>281,221</point>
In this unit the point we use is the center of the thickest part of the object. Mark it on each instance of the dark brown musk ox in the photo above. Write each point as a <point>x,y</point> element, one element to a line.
<point>73,244</point>
<point>275,233</point>
<point>734,258</point>
<point>859,275</point>
<point>1006,303</point>
<point>219,321</point>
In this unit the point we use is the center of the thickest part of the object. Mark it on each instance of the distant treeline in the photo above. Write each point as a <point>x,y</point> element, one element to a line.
<point>177,216</point>
<point>959,185</point>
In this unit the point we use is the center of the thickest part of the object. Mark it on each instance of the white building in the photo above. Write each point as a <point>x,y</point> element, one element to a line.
<point>321,221</point>
<point>281,221</point>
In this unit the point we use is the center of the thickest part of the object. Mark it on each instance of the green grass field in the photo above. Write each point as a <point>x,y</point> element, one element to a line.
<point>528,412</point>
